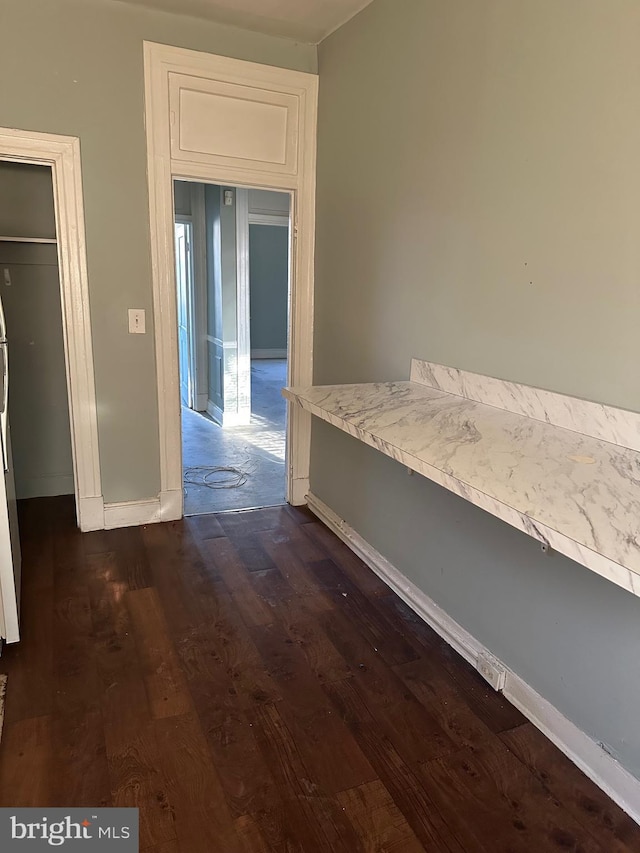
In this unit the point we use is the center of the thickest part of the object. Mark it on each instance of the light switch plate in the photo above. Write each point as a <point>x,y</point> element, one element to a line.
<point>136,321</point>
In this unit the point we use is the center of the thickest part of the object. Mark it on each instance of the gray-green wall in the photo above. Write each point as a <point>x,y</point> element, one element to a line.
<point>75,67</point>
<point>269,286</point>
<point>479,206</point>
<point>38,403</point>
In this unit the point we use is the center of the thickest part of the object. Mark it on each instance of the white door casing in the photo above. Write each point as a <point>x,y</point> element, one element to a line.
<point>62,154</point>
<point>225,121</point>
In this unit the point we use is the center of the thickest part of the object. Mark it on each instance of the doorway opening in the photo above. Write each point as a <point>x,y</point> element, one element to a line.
<point>35,430</point>
<point>232,258</point>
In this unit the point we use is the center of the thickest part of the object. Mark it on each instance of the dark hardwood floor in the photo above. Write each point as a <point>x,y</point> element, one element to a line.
<point>250,685</point>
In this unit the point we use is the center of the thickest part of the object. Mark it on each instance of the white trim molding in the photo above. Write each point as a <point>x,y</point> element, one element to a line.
<point>185,89</point>
<point>281,220</point>
<point>131,513</point>
<point>589,756</point>
<point>62,154</point>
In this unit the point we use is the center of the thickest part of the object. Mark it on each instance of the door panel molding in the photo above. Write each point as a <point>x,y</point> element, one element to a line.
<point>62,154</point>
<point>279,107</point>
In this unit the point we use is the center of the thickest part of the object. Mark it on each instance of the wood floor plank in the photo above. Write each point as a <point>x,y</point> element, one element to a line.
<point>294,570</point>
<point>205,526</point>
<point>137,781</point>
<point>80,766</point>
<point>384,636</point>
<point>297,616</point>
<point>447,704</point>
<point>332,757</point>
<point>533,809</point>
<point>166,686</point>
<point>562,779</point>
<point>124,701</point>
<point>194,795</point>
<point>459,794</point>
<point>379,823</point>
<point>407,789</point>
<point>366,580</point>
<point>317,820</point>
<point>26,769</point>
<point>248,832</point>
<point>247,781</point>
<point>225,557</point>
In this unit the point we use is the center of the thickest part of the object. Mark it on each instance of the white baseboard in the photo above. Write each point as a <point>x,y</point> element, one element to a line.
<point>268,353</point>
<point>299,491</point>
<point>607,773</point>
<point>91,514</point>
<point>201,402</point>
<point>131,513</point>
<point>171,504</point>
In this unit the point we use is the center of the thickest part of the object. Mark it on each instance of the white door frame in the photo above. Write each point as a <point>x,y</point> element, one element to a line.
<point>187,219</point>
<point>296,93</point>
<point>62,154</point>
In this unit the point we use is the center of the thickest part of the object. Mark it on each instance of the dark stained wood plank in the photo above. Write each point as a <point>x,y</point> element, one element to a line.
<point>364,578</point>
<point>132,557</point>
<point>478,819</point>
<point>407,789</point>
<point>294,571</point>
<point>381,633</point>
<point>561,778</point>
<point>225,557</point>
<point>186,583</point>
<point>26,768</point>
<point>137,781</point>
<point>248,832</point>
<point>439,694</point>
<point>533,809</point>
<point>29,663</point>
<point>166,687</point>
<point>204,526</point>
<point>194,795</point>
<point>167,847</point>
<point>300,514</point>
<point>296,614</point>
<point>379,823</point>
<point>316,819</point>
<point>247,781</point>
<point>80,766</point>
<point>223,668</point>
<point>330,753</point>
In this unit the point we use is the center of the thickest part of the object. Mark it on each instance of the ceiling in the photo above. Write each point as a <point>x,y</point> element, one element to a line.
<point>303,20</point>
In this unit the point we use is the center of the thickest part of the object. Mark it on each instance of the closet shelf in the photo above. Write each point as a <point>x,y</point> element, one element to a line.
<point>28,240</point>
<point>563,470</point>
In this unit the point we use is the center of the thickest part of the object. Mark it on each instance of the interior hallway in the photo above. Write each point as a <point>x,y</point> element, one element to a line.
<point>250,685</point>
<point>254,453</point>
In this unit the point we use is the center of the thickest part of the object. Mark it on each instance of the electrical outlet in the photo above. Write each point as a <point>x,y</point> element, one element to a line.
<point>492,671</point>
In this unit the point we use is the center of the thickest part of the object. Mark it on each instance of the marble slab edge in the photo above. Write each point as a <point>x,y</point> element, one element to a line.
<point>616,426</point>
<point>596,562</point>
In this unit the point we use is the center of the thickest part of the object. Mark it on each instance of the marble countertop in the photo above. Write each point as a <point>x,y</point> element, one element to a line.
<point>575,493</point>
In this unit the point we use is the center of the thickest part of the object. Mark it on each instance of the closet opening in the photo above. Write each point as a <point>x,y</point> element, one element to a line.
<point>35,434</point>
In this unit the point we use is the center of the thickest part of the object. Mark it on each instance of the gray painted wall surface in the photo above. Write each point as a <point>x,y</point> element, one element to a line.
<point>75,67</point>
<point>479,205</point>
<point>269,285</point>
<point>38,403</point>
<point>26,201</point>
